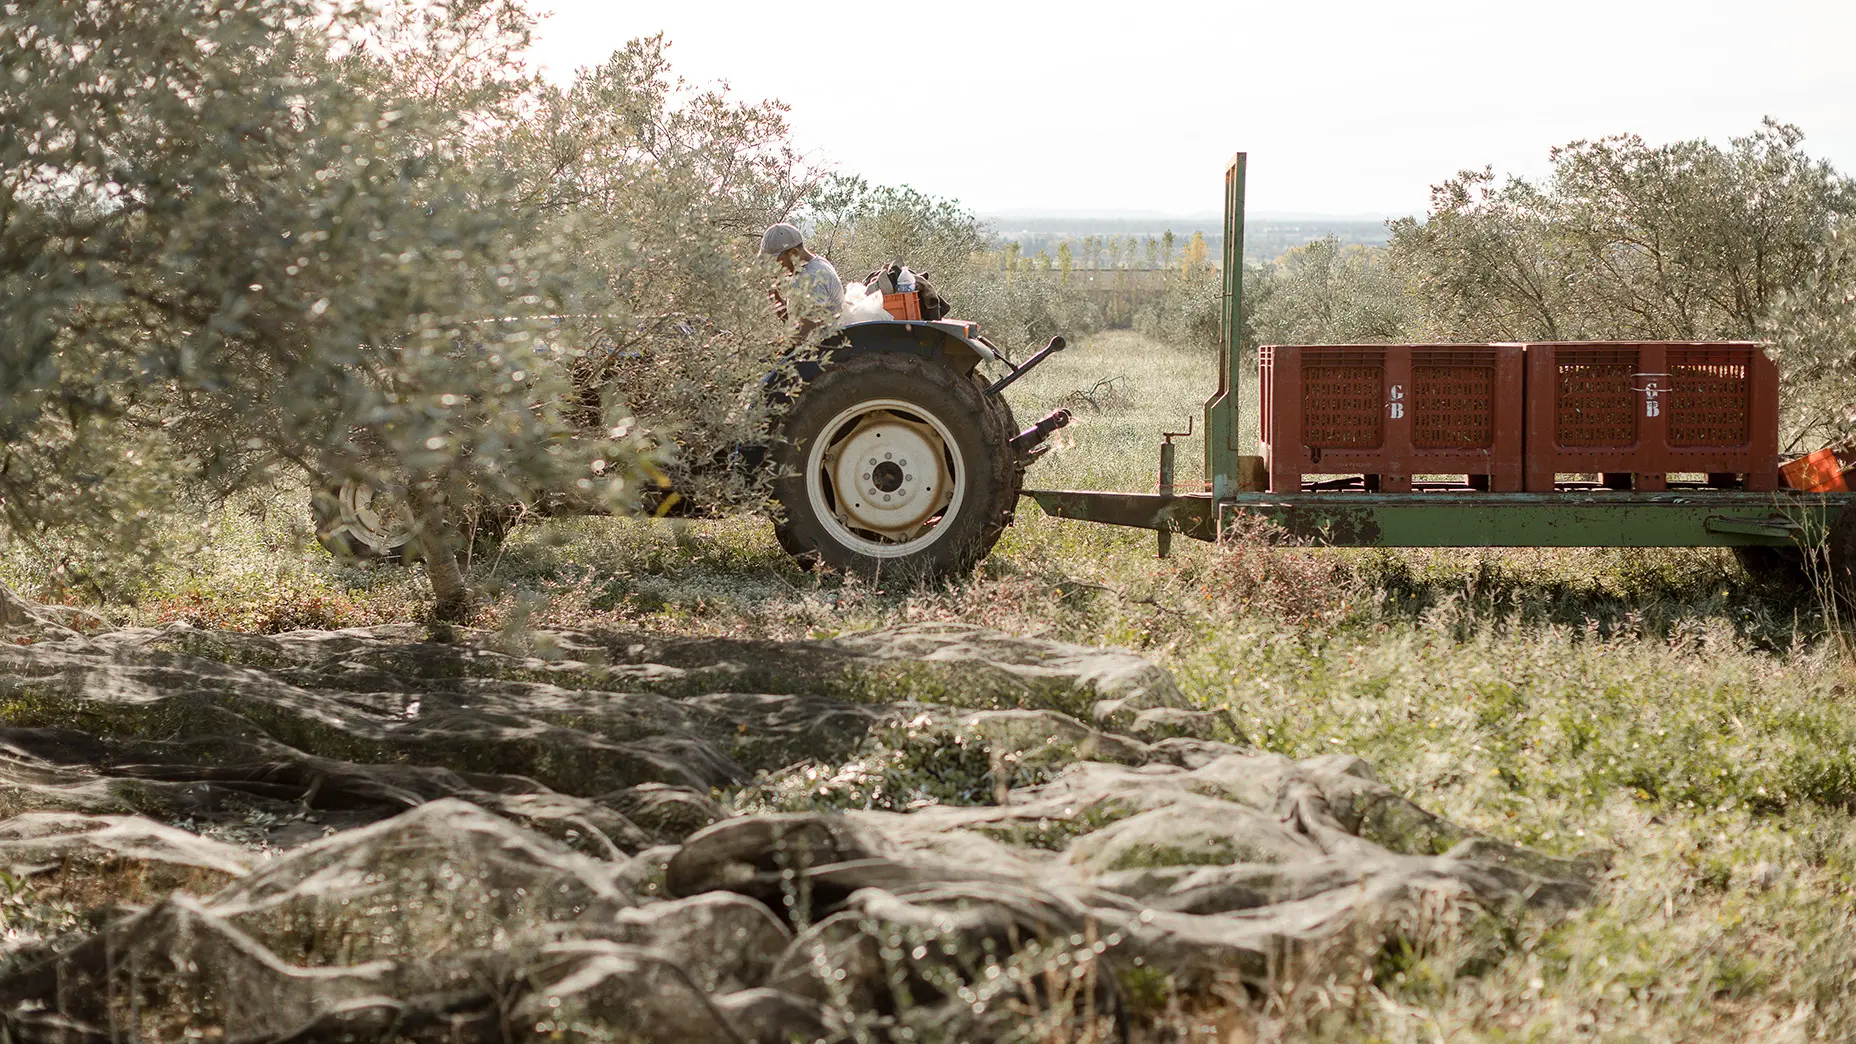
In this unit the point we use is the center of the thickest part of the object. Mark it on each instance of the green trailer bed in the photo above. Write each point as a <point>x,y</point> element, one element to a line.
<point>1698,518</point>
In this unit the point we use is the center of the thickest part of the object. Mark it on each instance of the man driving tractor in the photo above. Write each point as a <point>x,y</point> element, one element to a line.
<point>813,285</point>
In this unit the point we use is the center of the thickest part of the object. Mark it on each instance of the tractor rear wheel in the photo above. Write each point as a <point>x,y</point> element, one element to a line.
<point>894,466</point>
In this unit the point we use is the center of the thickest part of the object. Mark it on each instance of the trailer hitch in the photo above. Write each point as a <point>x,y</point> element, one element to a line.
<point>1030,444</point>
<point>1057,344</point>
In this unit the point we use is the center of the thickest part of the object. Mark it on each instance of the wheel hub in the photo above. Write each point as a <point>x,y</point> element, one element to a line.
<point>889,475</point>
<point>378,520</point>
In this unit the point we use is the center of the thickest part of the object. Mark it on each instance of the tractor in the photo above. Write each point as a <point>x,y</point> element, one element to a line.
<point>894,455</point>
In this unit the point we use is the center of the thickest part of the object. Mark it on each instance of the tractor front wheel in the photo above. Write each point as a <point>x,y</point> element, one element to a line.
<point>357,523</point>
<point>894,466</point>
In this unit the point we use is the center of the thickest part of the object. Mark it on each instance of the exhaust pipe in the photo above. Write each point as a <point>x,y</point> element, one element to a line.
<point>1030,444</point>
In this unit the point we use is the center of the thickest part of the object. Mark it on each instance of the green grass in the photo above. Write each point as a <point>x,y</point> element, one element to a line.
<point>1113,441</point>
<point>1654,708</point>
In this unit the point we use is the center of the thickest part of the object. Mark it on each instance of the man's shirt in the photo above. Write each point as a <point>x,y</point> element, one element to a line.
<point>817,292</point>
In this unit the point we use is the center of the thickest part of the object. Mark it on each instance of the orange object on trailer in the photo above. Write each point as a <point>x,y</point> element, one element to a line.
<point>903,306</point>
<point>1826,471</point>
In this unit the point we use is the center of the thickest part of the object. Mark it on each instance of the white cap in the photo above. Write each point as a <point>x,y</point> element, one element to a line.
<point>780,238</point>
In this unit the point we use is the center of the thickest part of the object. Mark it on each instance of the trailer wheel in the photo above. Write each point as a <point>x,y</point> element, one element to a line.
<point>1780,568</point>
<point>1840,559</point>
<point>891,465</point>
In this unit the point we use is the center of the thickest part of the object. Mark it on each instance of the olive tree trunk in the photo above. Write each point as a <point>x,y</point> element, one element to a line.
<point>453,599</point>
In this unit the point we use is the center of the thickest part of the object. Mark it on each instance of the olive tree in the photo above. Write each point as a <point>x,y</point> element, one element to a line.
<point>1324,293</point>
<point>1488,263</point>
<point>658,192</point>
<point>861,227</point>
<point>866,226</point>
<point>223,253</point>
<point>1626,239</point>
<point>1687,240</point>
<point>1813,330</point>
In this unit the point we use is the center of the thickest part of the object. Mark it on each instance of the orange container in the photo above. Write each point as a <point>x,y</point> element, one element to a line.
<point>903,306</point>
<point>1826,471</point>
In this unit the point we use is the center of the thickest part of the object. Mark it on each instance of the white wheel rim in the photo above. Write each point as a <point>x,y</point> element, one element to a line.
<point>884,478</point>
<point>378,521</point>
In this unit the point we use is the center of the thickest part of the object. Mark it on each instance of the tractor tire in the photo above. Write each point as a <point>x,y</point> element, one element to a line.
<point>1000,417</point>
<point>354,523</point>
<point>894,467</point>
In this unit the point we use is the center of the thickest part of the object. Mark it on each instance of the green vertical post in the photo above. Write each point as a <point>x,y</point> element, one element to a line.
<point>1221,410</point>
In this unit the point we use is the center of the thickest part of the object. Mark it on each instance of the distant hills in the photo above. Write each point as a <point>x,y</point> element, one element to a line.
<point>1266,235</point>
<point>1160,218</point>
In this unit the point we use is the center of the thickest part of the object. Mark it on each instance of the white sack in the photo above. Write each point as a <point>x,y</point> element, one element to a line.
<point>861,306</point>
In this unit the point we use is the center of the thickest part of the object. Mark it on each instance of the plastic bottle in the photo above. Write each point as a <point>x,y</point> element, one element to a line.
<point>905,283</point>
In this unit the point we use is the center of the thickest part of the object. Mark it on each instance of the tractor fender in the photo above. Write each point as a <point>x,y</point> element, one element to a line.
<point>954,343</point>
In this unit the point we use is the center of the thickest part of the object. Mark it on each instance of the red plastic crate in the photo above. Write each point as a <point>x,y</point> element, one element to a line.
<point>1825,471</point>
<point>1638,412</point>
<point>1392,411</point>
<point>903,306</point>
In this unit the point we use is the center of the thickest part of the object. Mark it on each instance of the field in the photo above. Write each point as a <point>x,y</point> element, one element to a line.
<point>1655,710</point>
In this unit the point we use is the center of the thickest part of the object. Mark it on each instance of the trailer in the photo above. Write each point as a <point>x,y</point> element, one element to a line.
<point>1769,527</point>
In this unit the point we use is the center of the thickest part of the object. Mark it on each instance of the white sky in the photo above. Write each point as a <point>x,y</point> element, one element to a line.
<point>1345,107</point>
